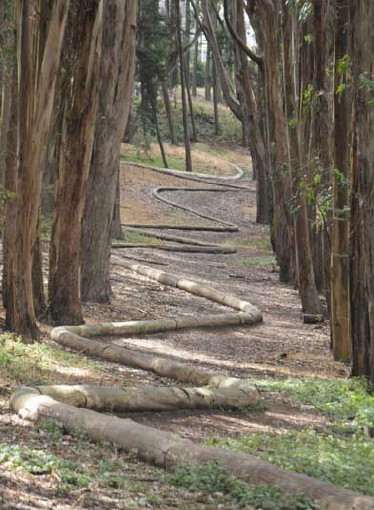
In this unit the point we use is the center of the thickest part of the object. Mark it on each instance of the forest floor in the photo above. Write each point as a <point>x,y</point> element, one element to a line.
<point>44,467</point>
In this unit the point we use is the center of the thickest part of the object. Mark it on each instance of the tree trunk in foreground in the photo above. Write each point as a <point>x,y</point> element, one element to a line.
<point>11,161</point>
<point>340,232</point>
<point>79,106</point>
<point>169,450</point>
<point>282,227</point>
<point>362,288</point>
<point>116,77</point>
<point>36,96</point>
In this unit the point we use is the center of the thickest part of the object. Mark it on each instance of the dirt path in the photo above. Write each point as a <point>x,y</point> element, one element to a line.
<point>280,347</point>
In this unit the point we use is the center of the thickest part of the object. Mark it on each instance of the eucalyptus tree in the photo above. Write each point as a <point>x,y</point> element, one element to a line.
<point>115,85</point>
<point>153,46</point>
<point>362,215</point>
<point>79,102</point>
<point>38,62</point>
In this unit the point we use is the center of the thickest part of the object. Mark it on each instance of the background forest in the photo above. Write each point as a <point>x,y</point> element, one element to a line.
<point>88,84</point>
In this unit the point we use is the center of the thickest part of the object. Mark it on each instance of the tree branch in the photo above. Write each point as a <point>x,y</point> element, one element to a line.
<point>239,41</point>
<point>207,28</point>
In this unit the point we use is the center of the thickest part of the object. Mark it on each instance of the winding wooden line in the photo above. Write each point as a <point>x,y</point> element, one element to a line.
<point>223,226</point>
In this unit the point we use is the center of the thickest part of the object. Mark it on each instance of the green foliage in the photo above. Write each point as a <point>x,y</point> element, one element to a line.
<point>230,127</point>
<point>342,454</point>
<point>343,461</point>
<point>367,84</point>
<point>256,261</point>
<point>38,363</point>
<point>309,98</point>
<point>108,473</point>
<point>341,399</point>
<point>309,38</point>
<point>153,50</point>
<point>4,196</point>
<point>293,122</point>
<point>343,64</point>
<point>316,194</point>
<point>135,237</point>
<point>233,492</point>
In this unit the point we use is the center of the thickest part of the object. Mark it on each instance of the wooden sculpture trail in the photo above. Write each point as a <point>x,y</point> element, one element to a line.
<point>83,406</point>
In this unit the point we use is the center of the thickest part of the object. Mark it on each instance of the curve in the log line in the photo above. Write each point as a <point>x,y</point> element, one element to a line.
<point>185,244</point>
<point>80,337</point>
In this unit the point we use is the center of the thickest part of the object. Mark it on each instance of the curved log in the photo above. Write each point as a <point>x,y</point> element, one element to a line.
<point>169,450</point>
<point>148,398</point>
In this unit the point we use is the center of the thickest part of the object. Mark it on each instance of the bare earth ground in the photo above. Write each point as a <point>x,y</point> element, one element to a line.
<point>279,347</point>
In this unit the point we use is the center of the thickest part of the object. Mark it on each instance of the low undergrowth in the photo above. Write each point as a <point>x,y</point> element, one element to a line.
<point>136,237</point>
<point>231,492</point>
<point>255,261</point>
<point>204,161</point>
<point>347,400</point>
<point>342,453</point>
<point>99,466</point>
<point>40,362</point>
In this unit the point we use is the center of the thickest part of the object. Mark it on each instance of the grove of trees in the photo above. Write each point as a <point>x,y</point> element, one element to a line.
<point>297,74</point>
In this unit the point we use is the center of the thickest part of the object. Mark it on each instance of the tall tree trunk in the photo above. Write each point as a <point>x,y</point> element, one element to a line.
<point>116,78</point>
<point>322,137</point>
<point>362,290</point>
<point>195,64</point>
<point>209,32</point>
<point>40,304</point>
<point>79,103</point>
<point>282,227</point>
<point>305,271</point>
<point>208,77</point>
<point>340,234</point>
<point>168,111</point>
<point>188,159</point>
<point>11,161</point>
<point>35,110</point>
<point>158,133</point>
<point>217,128</point>
<point>116,223</point>
<point>190,107</point>
<point>253,137</point>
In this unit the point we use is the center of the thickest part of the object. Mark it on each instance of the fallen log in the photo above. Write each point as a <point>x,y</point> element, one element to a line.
<point>197,289</point>
<point>148,398</point>
<point>169,450</point>
<point>201,228</point>
<point>65,336</point>
<point>185,248</point>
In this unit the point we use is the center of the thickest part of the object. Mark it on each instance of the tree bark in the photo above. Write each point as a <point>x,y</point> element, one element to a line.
<point>361,290</point>
<point>186,130</point>
<point>169,114</point>
<point>322,150</point>
<point>340,233</point>
<point>281,221</point>
<point>79,108</point>
<point>208,29</point>
<point>251,115</point>
<point>116,77</point>
<point>35,111</point>
<point>310,301</point>
<point>11,161</point>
